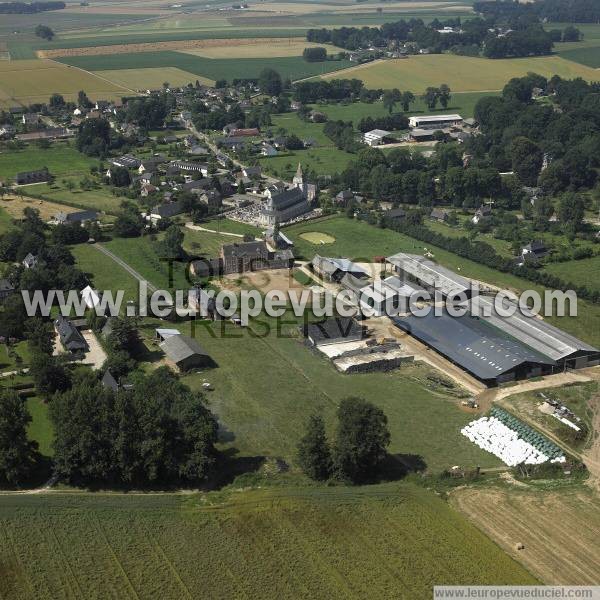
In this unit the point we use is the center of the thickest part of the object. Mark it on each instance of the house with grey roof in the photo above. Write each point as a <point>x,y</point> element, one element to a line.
<point>70,337</point>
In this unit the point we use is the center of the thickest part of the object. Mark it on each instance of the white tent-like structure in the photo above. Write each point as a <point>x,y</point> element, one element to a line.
<point>90,297</point>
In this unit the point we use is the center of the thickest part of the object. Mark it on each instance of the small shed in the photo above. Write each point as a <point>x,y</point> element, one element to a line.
<point>185,352</point>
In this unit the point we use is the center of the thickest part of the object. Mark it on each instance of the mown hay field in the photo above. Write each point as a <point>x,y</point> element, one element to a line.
<point>152,79</point>
<point>558,529</point>
<point>387,541</point>
<point>461,73</point>
<point>29,81</point>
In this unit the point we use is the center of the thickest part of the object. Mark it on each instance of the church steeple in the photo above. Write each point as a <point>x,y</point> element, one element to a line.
<point>299,176</point>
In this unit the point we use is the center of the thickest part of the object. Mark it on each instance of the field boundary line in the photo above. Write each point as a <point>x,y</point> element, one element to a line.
<point>62,65</point>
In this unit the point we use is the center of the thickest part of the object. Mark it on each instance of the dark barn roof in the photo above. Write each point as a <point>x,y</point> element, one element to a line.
<point>338,329</point>
<point>472,343</point>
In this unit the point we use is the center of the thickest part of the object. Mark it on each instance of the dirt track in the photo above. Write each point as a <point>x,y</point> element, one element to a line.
<point>560,531</point>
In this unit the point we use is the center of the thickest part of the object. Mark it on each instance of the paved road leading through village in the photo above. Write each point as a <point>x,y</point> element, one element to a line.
<point>122,263</point>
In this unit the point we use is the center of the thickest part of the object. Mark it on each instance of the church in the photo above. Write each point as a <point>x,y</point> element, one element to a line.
<point>284,205</point>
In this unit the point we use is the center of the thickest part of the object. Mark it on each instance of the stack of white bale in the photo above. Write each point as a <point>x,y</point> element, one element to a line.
<point>492,435</point>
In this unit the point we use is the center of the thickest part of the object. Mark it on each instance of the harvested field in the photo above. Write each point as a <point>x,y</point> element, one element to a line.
<point>559,530</point>
<point>143,79</point>
<point>14,206</point>
<point>301,8</point>
<point>264,49</point>
<point>211,46</point>
<point>461,73</point>
<point>29,81</point>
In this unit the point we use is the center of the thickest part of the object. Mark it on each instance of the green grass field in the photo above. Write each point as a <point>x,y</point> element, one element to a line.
<point>229,69</point>
<point>104,272</point>
<point>587,55</point>
<point>267,382</point>
<point>461,73</point>
<point>358,240</point>
<point>231,226</point>
<point>5,221</point>
<point>61,159</point>
<point>393,540</point>
<point>323,160</point>
<point>579,272</point>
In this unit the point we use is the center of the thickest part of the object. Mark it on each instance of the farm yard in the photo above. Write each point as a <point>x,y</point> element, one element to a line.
<point>361,241</point>
<point>270,543</point>
<point>461,73</point>
<point>30,81</point>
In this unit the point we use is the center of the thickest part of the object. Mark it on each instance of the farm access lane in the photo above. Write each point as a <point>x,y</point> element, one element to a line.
<point>151,287</point>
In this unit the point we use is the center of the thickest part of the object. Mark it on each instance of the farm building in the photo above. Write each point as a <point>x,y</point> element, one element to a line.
<point>81,217</point>
<point>488,353</point>
<point>435,121</point>
<point>390,297</point>
<point>376,137</point>
<point>524,326</point>
<point>163,333</point>
<point>254,256</point>
<point>334,269</point>
<point>165,211</point>
<point>412,268</point>
<point>185,352</point>
<point>338,330</point>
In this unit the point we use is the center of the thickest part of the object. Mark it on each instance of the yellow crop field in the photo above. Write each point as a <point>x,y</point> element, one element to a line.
<point>29,81</point>
<point>461,73</point>
<point>260,48</point>
<point>153,78</point>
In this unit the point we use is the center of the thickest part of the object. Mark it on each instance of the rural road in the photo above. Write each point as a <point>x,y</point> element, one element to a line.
<point>122,263</point>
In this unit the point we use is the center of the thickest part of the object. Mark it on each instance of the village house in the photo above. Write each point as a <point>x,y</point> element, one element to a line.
<point>254,256</point>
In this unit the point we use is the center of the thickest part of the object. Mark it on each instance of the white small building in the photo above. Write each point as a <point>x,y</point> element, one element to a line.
<point>376,137</point>
<point>90,297</point>
<point>435,121</point>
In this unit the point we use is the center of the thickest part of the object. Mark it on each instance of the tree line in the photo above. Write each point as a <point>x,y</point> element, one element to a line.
<point>558,11</point>
<point>27,8</point>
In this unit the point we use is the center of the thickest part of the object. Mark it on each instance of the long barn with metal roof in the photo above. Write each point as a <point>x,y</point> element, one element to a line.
<point>537,333</point>
<point>478,347</point>
<point>431,276</point>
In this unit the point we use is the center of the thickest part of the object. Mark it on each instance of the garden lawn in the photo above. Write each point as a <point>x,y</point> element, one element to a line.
<point>322,160</point>
<point>205,243</point>
<point>40,429</point>
<point>383,541</point>
<point>231,227</point>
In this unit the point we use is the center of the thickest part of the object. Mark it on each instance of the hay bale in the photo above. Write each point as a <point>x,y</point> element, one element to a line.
<point>519,546</point>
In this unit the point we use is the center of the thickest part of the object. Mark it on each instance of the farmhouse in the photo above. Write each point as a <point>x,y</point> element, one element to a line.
<point>439,214</point>
<point>27,177</point>
<point>412,268</point>
<point>254,256</point>
<point>166,211</point>
<point>435,121</point>
<point>376,137</point>
<point>70,337</point>
<point>81,217</point>
<point>6,289</point>
<point>185,352</point>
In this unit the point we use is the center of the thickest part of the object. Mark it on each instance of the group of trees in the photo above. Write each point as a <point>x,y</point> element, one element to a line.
<point>469,37</point>
<point>524,136</point>
<point>158,433</point>
<point>359,448</point>
<point>309,92</point>
<point>316,54</point>
<point>44,32</point>
<point>391,98</point>
<point>558,11</point>
<point>434,95</point>
<point>96,138</point>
